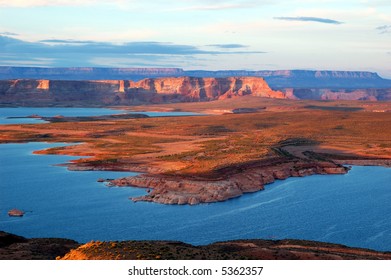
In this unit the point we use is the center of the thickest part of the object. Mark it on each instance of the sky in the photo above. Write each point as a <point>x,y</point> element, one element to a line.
<point>198,34</point>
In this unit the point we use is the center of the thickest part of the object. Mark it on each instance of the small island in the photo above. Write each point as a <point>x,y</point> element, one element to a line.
<point>16,213</point>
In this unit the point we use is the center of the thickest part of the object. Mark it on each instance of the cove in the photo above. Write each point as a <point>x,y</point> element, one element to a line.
<point>18,115</point>
<point>351,209</point>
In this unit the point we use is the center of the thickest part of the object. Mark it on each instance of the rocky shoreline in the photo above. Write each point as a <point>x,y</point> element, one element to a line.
<point>231,183</point>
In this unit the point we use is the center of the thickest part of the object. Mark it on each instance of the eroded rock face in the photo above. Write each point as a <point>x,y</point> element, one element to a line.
<point>160,90</point>
<point>176,190</point>
<point>204,89</point>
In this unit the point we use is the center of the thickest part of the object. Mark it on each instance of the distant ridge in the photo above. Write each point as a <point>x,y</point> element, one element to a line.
<point>277,79</point>
<point>86,73</point>
<point>43,92</point>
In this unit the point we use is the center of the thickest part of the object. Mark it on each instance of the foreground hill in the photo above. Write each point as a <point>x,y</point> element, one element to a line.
<point>13,247</point>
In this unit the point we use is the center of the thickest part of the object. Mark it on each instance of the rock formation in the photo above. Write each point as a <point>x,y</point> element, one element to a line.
<point>252,178</point>
<point>16,213</point>
<point>162,90</point>
<point>126,92</point>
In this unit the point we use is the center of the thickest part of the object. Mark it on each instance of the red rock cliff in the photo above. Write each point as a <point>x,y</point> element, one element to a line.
<point>203,89</point>
<point>182,89</point>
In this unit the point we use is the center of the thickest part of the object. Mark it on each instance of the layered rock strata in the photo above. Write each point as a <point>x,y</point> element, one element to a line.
<point>164,90</point>
<point>126,92</point>
<point>251,178</point>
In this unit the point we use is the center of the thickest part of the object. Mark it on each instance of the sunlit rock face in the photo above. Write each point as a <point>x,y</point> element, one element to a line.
<point>30,92</point>
<point>160,90</point>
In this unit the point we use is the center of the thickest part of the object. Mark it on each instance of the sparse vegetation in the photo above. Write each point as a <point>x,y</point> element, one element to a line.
<point>201,144</point>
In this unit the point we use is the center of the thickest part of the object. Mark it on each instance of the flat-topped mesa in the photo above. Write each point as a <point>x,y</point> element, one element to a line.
<point>31,92</point>
<point>127,92</point>
<point>85,73</point>
<point>205,89</point>
<point>325,74</point>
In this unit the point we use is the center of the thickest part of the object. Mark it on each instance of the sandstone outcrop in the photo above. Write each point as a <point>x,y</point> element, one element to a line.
<point>126,92</point>
<point>252,178</point>
<point>16,213</point>
<point>163,90</point>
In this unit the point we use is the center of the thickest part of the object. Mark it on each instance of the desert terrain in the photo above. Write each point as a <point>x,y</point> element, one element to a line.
<point>245,135</point>
<point>241,145</point>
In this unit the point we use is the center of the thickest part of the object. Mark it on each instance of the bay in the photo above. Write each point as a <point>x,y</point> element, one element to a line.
<point>351,209</point>
<point>17,115</point>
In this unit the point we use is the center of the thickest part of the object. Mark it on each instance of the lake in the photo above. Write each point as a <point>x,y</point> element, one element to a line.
<point>351,209</point>
<point>12,115</point>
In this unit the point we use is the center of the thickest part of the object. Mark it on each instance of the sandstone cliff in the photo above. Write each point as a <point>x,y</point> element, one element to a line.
<point>162,90</point>
<point>175,190</point>
<point>126,92</point>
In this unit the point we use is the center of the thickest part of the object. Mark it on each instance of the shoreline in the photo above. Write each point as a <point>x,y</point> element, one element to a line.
<point>290,145</point>
<point>187,190</point>
<point>231,182</point>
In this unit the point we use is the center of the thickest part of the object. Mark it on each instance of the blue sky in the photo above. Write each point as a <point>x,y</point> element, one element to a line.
<point>198,34</point>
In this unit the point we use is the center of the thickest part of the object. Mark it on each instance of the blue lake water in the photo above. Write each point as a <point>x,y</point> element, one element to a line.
<point>5,113</point>
<point>352,209</point>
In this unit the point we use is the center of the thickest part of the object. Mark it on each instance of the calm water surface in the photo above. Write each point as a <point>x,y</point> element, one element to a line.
<point>23,112</point>
<point>352,209</point>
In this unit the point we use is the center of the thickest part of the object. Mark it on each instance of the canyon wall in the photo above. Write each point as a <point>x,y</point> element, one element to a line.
<point>31,92</point>
<point>127,92</point>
